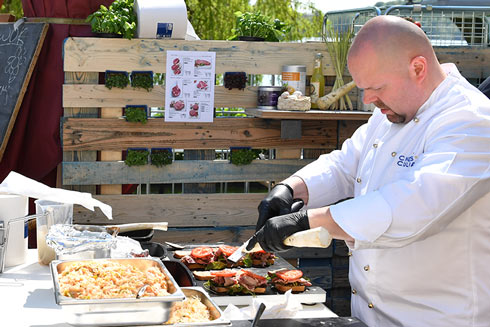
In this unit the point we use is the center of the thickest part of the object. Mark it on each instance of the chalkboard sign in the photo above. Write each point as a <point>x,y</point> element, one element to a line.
<point>20,44</point>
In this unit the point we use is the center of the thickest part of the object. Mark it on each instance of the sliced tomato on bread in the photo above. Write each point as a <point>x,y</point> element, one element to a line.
<point>289,275</point>
<point>223,273</point>
<point>228,250</point>
<point>202,252</point>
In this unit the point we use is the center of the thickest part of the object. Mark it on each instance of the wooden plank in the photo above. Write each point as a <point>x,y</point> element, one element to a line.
<point>309,115</point>
<point>233,236</point>
<point>347,128</point>
<point>472,62</point>
<point>77,111</point>
<point>191,171</point>
<point>116,134</point>
<point>179,210</point>
<point>99,95</point>
<point>110,155</point>
<point>97,54</point>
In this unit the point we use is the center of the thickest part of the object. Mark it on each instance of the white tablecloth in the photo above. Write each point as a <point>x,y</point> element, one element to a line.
<point>27,298</point>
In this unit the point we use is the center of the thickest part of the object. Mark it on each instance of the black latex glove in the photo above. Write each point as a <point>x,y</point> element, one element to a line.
<point>272,235</point>
<point>278,202</point>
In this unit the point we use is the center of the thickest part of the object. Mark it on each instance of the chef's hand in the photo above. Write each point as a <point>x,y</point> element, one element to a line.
<point>272,235</point>
<point>278,202</point>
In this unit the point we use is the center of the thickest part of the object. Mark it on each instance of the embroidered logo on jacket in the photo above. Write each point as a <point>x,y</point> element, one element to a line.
<point>404,161</point>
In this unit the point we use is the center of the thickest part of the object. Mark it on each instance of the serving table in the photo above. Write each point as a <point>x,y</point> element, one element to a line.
<point>27,299</point>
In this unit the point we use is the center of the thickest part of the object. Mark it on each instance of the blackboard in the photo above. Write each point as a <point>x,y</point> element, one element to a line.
<point>20,45</point>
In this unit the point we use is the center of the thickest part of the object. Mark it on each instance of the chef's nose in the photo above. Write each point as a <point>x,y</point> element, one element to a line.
<point>368,97</point>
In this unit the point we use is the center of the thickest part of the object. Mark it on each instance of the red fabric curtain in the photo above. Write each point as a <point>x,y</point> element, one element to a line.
<point>34,147</point>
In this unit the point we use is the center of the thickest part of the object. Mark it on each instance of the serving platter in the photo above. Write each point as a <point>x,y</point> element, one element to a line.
<point>312,294</point>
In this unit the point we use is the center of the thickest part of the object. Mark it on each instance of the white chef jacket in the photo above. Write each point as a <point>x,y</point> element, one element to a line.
<point>420,213</point>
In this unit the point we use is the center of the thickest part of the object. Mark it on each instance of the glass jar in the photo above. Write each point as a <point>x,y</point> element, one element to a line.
<point>267,97</point>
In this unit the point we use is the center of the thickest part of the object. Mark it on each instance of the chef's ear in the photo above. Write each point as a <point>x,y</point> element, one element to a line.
<point>418,68</point>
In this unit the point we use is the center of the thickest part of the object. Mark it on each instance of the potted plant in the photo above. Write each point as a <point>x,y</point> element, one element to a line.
<point>137,157</point>
<point>161,156</point>
<point>236,80</point>
<point>257,27</point>
<point>119,20</point>
<point>114,78</point>
<point>137,113</point>
<point>242,155</point>
<point>142,79</point>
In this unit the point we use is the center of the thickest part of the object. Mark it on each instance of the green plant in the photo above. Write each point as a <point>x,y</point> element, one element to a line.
<point>258,25</point>
<point>119,18</point>
<point>116,79</point>
<point>136,114</point>
<point>142,80</point>
<point>241,157</point>
<point>161,157</point>
<point>136,157</point>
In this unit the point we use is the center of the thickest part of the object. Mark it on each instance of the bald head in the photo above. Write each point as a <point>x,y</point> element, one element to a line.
<point>391,39</point>
<point>392,60</point>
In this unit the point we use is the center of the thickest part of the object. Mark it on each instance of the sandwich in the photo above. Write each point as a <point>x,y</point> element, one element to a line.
<point>261,258</point>
<point>285,280</point>
<point>224,251</point>
<point>234,282</point>
<point>202,258</point>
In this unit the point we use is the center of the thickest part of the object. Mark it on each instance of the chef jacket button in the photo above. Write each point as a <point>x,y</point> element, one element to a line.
<point>393,154</point>
<point>349,253</point>
<point>354,291</point>
<point>375,145</point>
<point>359,180</point>
<point>366,268</point>
<point>370,305</point>
<point>416,120</point>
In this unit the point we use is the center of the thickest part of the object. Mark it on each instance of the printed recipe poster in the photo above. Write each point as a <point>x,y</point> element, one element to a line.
<point>189,86</point>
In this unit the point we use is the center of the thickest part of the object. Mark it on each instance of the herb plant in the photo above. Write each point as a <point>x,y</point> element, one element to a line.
<point>136,157</point>
<point>119,18</point>
<point>142,80</point>
<point>242,157</point>
<point>136,114</point>
<point>161,157</point>
<point>258,25</point>
<point>116,79</point>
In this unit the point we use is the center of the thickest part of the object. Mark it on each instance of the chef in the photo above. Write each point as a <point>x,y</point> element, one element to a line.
<point>416,178</point>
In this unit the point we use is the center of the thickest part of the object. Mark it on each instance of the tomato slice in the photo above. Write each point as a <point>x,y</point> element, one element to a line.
<point>227,249</point>
<point>224,273</point>
<point>251,274</point>
<point>290,275</point>
<point>202,252</point>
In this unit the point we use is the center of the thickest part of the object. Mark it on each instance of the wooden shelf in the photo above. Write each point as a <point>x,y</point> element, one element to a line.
<point>309,115</point>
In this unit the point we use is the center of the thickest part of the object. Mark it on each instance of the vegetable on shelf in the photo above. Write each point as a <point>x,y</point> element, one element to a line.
<point>137,157</point>
<point>117,79</point>
<point>142,79</point>
<point>161,156</point>
<point>119,19</point>
<point>338,44</point>
<point>136,113</point>
<point>257,25</point>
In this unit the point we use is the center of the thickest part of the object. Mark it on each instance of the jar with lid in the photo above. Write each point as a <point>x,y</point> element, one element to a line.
<point>267,97</point>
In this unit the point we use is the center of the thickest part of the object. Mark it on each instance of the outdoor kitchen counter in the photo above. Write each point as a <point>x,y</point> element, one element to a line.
<point>27,299</point>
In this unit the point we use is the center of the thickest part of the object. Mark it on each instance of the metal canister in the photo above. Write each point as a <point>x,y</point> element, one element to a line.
<point>295,77</point>
<point>267,97</point>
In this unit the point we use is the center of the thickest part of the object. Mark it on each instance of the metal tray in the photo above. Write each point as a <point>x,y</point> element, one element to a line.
<point>120,311</point>
<point>216,313</point>
<point>312,294</point>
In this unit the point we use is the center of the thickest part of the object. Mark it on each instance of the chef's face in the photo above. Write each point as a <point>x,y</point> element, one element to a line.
<point>388,88</point>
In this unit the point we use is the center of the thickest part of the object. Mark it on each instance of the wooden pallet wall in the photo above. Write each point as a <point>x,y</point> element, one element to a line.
<point>93,142</point>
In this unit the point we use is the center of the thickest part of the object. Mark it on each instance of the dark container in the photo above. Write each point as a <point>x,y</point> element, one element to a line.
<point>156,250</point>
<point>143,235</point>
<point>180,272</point>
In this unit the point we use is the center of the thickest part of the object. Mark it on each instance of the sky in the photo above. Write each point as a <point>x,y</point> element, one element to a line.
<point>329,5</point>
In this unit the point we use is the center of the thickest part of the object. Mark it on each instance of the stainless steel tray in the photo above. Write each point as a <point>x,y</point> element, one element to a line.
<point>120,311</point>
<point>216,313</point>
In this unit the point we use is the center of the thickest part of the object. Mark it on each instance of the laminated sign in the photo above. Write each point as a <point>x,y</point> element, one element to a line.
<point>189,86</point>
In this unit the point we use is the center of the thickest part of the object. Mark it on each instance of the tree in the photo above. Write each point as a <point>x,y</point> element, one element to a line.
<point>214,19</point>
